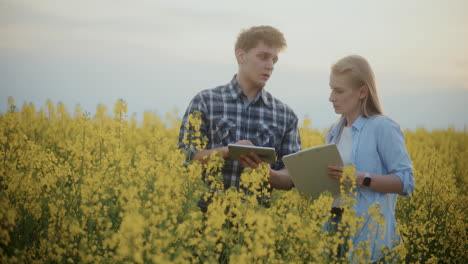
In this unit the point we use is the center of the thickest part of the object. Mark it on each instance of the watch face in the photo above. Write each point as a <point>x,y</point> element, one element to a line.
<point>366,181</point>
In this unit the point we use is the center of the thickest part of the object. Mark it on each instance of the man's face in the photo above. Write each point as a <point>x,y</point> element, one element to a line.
<point>257,64</point>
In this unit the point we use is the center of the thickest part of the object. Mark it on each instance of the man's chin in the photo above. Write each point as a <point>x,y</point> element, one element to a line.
<point>261,84</point>
<point>258,83</point>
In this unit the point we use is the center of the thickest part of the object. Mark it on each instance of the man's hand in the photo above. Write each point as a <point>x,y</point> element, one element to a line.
<point>252,160</point>
<point>280,179</point>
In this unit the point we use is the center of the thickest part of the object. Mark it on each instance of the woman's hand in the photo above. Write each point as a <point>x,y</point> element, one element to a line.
<point>336,172</point>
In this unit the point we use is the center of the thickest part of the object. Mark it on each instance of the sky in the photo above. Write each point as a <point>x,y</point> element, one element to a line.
<point>156,55</point>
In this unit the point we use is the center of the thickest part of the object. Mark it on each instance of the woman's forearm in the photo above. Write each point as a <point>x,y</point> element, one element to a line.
<point>382,183</point>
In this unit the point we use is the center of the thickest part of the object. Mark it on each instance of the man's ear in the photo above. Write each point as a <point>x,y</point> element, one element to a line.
<point>240,56</point>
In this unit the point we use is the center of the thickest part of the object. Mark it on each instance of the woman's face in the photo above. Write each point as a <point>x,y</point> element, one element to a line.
<point>344,97</point>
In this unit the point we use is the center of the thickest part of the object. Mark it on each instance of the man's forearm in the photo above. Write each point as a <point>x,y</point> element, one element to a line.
<point>280,179</point>
<point>200,155</point>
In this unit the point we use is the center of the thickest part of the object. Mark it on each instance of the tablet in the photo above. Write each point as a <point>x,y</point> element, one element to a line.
<point>266,154</point>
<point>309,169</point>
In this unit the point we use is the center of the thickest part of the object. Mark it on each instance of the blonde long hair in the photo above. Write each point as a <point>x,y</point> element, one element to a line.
<point>361,75</point>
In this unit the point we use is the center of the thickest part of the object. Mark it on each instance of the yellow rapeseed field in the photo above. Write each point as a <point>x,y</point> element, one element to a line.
<point>76,188</point>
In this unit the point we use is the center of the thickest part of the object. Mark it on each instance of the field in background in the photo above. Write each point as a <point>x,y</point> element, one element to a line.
<point>104,189</point>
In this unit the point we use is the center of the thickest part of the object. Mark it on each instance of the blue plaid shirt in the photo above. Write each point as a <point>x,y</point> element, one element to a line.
<point>228,116</point>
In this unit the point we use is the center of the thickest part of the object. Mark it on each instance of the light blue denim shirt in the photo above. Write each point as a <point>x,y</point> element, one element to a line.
<point>378,146</point>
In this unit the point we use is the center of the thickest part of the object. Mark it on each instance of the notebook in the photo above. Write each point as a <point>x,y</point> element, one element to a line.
<point>308,169</point>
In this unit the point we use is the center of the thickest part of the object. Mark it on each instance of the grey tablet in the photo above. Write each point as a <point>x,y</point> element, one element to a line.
<point>266,154</point>
<point>309,169</point>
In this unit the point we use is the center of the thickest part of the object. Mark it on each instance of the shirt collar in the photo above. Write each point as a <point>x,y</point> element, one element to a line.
<point>235,89</point>
<point>236,92</point>
<point>265,97</point>
<point>336,128</point>
<point>358,124</point>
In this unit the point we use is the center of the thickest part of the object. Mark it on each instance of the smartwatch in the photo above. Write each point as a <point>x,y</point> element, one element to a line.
<point>367,180</point>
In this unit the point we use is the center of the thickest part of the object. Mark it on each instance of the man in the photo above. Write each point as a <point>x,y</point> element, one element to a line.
<point>242,112</point>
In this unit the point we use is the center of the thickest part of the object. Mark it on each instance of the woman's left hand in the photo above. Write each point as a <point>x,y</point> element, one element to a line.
<point>336,172</point>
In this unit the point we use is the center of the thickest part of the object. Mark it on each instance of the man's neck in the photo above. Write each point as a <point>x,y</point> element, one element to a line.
<point>248,88</point>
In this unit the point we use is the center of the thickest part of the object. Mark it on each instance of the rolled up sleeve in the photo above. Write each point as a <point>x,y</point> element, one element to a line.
<point>392,150</point>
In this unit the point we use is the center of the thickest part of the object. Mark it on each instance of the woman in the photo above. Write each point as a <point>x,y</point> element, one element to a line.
<point>374,144</point>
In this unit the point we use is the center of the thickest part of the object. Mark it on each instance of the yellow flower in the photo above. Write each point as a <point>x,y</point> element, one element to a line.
<point>103,189</point>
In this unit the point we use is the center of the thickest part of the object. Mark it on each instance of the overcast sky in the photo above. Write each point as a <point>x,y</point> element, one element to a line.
<point>157,55</point>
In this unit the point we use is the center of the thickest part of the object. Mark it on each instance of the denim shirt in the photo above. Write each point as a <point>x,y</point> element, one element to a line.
<point>378,147</point>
